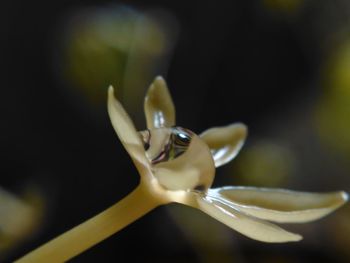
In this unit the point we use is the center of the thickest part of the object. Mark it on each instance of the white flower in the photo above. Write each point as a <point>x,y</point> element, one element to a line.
<point>176,165</point>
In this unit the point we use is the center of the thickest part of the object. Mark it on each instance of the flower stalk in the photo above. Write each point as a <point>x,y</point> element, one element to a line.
<point>176,165</point>
<point>91,232</point>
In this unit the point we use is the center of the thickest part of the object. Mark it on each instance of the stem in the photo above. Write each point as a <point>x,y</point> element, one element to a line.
<point>82,237</point>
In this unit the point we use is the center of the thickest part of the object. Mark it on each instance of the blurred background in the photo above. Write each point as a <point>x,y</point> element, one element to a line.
<point>280,66</point>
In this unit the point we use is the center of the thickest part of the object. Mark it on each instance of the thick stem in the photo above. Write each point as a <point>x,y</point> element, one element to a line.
<point>94,230</point>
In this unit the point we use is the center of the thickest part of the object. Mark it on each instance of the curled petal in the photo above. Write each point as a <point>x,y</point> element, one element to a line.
<point>159,107</point>
<point>126,132</point>
<point>251,227</point>
<point>225,142</point>
<point>280,205</point>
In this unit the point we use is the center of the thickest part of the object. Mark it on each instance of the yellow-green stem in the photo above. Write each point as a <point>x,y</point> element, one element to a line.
<point>94,230</point>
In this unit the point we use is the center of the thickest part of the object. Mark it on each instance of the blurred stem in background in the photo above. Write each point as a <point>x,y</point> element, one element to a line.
<point>20,218</point>
<point>115,45</point>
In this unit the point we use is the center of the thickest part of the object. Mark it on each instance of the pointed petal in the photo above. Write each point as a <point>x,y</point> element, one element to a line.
<point>225,142</point>
<point>126,131</point>
<point>159,107</point>
<point>251,227</point>
<point>280,205</point>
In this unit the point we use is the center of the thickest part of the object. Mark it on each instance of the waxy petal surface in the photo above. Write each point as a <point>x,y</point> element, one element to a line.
<point>280,205</point>
<point>126,132</point>
<point>225,142</point>
<point>249,226</point>
<point>159,107</point>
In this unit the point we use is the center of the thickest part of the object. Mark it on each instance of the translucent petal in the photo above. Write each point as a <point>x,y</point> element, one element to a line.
<point>251,227</point>
<point>280,205</point>
<point>159,107</point>
<point>126,132</point>
<point>225,142</point>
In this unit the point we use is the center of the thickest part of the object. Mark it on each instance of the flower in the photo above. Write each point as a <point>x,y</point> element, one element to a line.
<point>176,165</point>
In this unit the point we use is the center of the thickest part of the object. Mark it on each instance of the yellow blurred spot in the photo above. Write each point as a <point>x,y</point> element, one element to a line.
<point>114,46</point>
<point>333,109</point>
<point>264,164</point>
<point>283,5</point>
<point>19,218</point>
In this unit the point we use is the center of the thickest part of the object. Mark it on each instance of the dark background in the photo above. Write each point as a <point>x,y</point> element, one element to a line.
<point>265,63</point>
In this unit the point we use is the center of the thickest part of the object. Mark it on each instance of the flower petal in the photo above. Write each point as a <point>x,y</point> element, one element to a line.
<point>126,132</point>
<point>251,227</point>
<point>159,107</point>
<point>280,205</point>
<point>225,142</point>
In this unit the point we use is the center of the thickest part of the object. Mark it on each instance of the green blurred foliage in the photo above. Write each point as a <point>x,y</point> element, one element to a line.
<point>20,218</point>
<point>333,109</point>
<point>265,163</point>
<point>285,6</point>
<point>116,46</point>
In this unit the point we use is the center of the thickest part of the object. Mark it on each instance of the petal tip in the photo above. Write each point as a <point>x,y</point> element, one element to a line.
<point>159,79</point>
<point>344,196</point>
<point>110,91</point>
<point>239,126</point>
<point>153,90</point>
<point>158,84</point>
<point>297,238</point>
<point>341,198</point>
<point>291,237</point>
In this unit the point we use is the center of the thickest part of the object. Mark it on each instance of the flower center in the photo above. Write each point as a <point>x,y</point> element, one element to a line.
<point>180,159</point>
<point>166,144</point>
